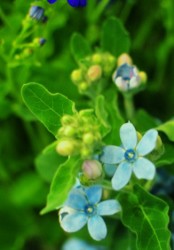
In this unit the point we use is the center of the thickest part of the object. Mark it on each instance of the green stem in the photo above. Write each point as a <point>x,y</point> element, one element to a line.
<point>129,106</point>
<point>4,18</point>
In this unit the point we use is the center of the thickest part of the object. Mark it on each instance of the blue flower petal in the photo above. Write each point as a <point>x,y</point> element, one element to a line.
<point>128,136</point>
<point>76,199</point>
<point>148,142</point>
<point>109,169</point>
<point>97,227</point>
<point>51,1</point>
<point>144,169</point>
<point>112,155</point>
<point>77,3</point>
<point>76,244</point>
<point>73,222</point>
<point>122,175</point>
<point>108,207</point>
<point>94,194</point>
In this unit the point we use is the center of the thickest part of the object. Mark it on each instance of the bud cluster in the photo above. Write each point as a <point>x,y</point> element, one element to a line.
<point>127,76</point>
<point>92,69</point>
<point>79,134</point>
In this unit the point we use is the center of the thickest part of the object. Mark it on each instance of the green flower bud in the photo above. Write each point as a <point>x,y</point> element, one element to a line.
<point>77,75</point>
<point>83,86</point>
<point>124,58</point>
<point>69,131</point>
<point>92,169</point>
<point>67,120</point>
<point>65,147</point>
<point>143,76</point>
<point>85,152</point>
<point>88,138</point>
<point>94,73</point>
<point>97,58</point>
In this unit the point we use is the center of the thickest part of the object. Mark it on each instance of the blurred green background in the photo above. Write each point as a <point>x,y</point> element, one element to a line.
<point>22,190</point>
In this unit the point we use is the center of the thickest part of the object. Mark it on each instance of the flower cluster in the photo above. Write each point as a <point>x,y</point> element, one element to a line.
<point>92,69</point>
<point>73,3</point>
<point>130,157</point>
<point>79,134</point>
<point>83,207</point>
<point>127,76</point>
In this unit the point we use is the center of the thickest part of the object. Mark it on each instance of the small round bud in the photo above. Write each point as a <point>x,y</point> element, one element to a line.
<point>76,75</point>
<point>94,73</point>
<point>97,58</point>
<point>143,76</point>
<point>124,58</point>
<point>111,59</point>
<point>69,131</point>
<point>85,152</point>
<point>67,119</point>
<point>83,86</point>
<point>88,138</point>
<point>65,147</point>
<point>92,169</point>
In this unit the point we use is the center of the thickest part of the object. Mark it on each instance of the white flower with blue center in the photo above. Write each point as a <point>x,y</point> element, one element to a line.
<point>130,157</point>
<point>83,207</point>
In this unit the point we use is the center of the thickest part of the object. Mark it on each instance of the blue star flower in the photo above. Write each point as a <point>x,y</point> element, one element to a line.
<point>130,157</point>
<point>83,207</point>
<point>73,3</point>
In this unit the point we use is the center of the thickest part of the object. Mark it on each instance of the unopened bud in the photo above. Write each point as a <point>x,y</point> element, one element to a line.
<point>124,58</point>
<point>67,119</point>
<point>65,147</point>
<point>97,58</point>
<point>94,73</point>
<point>92,169</point>
<point>69,131</point>
<point>83,86</point>
<point>158,150</point>
<point>143,76</point>
<point>88,138</point>
<point>76,75</point>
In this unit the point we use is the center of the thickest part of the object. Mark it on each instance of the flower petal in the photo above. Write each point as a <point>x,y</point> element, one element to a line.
<point>128,135</point>
<point>94,194</point>
<point>144,169</point>
<point>122,175</point>
<point>97,227</point>
<point>76,199</point>
<point>110,169</point>
<point>73,222</point>
<point>112,155</point>
<point>108,207</point>
<point>147,143</point>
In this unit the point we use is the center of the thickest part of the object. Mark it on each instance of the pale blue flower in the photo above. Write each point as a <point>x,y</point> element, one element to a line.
<point>77,244</point>
<point>130,157</point>
<point>83,207</point>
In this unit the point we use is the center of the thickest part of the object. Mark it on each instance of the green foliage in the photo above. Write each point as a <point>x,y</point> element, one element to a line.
<point>80,47</point>
<point>63,181</point>
<point>47,107</point>
<point>115,38</point>
<point>146,216</point>
<point>167,128</point>
<point>48,162</point>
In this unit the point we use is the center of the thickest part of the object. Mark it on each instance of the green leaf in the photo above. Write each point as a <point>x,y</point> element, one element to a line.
<point>62,183</point>
<point>102,115</point>
<point>79,47</point>
<point>48,162</point>
<point>146,216</point>
<point>168,157</point>
<point>115,38</point>
<point>168,129</point>
<point>47,107</point>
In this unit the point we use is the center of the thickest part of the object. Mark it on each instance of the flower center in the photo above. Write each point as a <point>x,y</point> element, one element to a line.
<point>90,210</point>
<point>130,155</point>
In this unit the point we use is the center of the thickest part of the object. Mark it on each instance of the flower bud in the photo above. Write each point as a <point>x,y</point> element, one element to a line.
<point>65,147</point>
<point>36,12</point>
<point>76,75</point>
<point>124,58</point>
<point>83,86</point>
<point>67,119</point>
<point>97,58</point>
<point>158,150</point>
<point>94,73</point>
<point>69,131</point>
<point>92,169</point>
<point>88,138</point>
<point>143,76</point>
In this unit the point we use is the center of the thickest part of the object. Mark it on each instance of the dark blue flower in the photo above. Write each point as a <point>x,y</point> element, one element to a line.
<point>73,3</point>
<point>42,41</point>
<point>51,1</point>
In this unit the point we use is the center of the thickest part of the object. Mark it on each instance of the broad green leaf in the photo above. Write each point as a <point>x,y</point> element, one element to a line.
<point>63,181</point>
<point>168,129</point>
<point>102,115</point>
<point>115,118</point>
<point>48,162</point>
<point>144,121</point>
<point>168,157</point>
<point>115,39</point>
<point>146,216</point>
<point>47,107</point>
<point>79,47</point>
